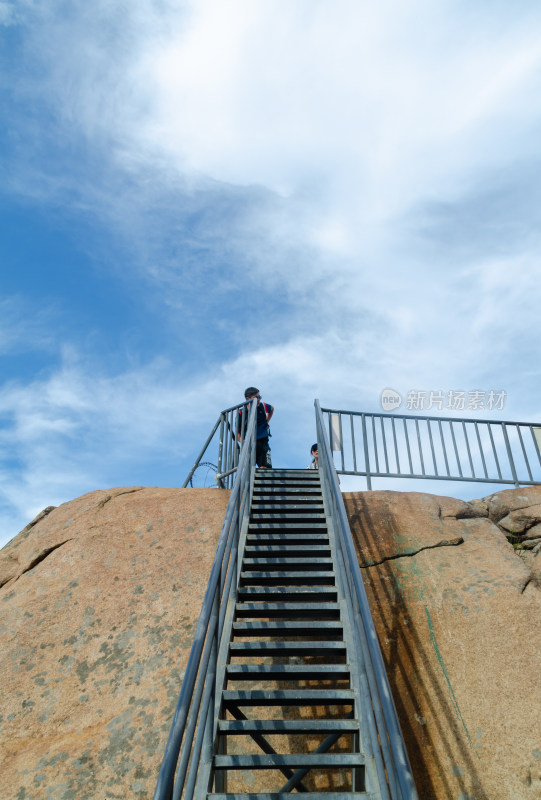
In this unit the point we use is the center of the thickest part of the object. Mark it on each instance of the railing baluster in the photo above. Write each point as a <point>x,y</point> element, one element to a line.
<point>524,453</point>
<point>468,448</point>
<point>481,449</point>
<point>375,440</point>
<point>341,442</point>
<point>420,446</point>
<point>353,443</point>
<point>494,450</point>
<point>366,454</point>
<point>444,448</point>
<point>509,454</point>
<point>384,445</point>
<point>432,446</point>
<point>395,446</point>
<point>458,462</point>
<point>536,443</point>
<point>408,444</point>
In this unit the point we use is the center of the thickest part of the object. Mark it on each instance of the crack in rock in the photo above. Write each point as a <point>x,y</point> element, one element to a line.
<point>105,500</point>
<point>113,496</point>
<point>6,580</point>
<point>43,555</point>
<point>444,543</point>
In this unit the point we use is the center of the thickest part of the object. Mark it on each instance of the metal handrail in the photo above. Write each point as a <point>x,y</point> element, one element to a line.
<point>190,740</point>
<point>392,763</point>
<point>229,422</point>
<point>437,448</point>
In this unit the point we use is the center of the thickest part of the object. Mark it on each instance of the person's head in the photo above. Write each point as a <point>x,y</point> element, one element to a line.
<point>313,450</point>
<point>252,392</point>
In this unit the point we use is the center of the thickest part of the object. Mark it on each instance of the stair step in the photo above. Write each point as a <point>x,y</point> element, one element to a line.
<point>289,507</point>
<point>285,563</point>
<point>287,550</point>
<point>260,539</point>
<point>288,697</point>
<point>291,520</point>
<point>287,672</point>
<point>288,593</point>
<point>280,500</point>
<point>287,648</point>
<point>295,610</point>
<point>271,525</point>
<point>287,796</point>
<point>289,471</point>
<point>286,484</point>
<point>244,727</point>
<point>294,760</point>
<point>280,489</point>
<point>289,475</point>
<point>330,629</point>
<point>288,578</point>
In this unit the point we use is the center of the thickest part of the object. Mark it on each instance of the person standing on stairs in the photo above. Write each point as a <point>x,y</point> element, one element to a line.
<point>314,454</point>
<point>264,414</point>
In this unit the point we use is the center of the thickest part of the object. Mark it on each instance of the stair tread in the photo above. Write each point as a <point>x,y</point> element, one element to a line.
<point>247,726</point>
<point>278,522</point>
<point>287,696</point>
<point>271,761</point>
<point>287,500</point>
<point>287,796</point>
<point>262,606</point>
<point>285,561</point>
<point>301,574</point>
<point>286,548</point>
<point>261,670</point>
<point>254,538</point>
<point>290,471</point>
<point>300,591</point>
<point>290,506</point>
<point>286,490</point>
<point>282,526</point>
<point>289,578</point>
<point>323,645</point>
<point>286,626</point>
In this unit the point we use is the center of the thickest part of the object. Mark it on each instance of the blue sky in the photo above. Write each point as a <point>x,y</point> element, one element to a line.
<point>320,199</point>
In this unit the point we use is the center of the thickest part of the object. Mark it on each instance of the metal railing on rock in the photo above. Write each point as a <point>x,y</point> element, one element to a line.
<point>438,448</point>
<point>225,436</point>
<point>387,743</point>
<point>190,745</point>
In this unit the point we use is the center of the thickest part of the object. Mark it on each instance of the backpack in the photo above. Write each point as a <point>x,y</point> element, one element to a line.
<point>262,410</point>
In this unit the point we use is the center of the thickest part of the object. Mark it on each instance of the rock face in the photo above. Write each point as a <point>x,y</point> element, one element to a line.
<point>98,603</point>
<point>458,615</point>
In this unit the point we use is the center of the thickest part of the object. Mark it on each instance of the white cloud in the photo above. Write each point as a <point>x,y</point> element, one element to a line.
<point>326,160</point>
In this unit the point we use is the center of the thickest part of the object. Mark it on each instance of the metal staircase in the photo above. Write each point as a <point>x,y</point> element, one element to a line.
<point>285,689</point>
<point>288,644</point>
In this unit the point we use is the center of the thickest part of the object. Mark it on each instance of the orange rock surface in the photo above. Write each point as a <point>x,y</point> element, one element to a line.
<point>98,606</point>
<point>458,616</point>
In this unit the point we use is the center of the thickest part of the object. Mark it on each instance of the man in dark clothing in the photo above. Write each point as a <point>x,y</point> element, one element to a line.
<point>264,413</point>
